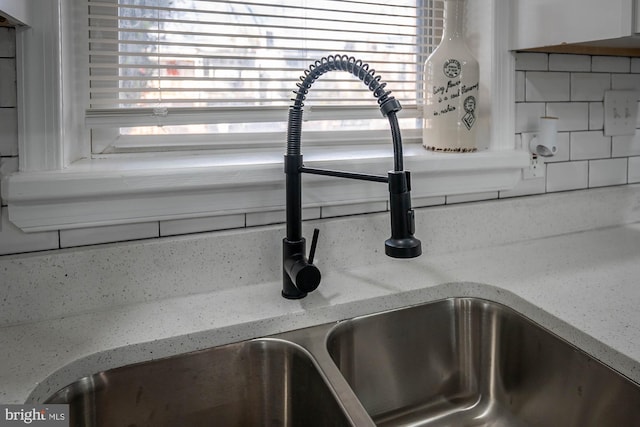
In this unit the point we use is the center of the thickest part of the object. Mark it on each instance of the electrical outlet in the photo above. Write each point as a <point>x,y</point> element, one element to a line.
<point>620,112</point>
<point>536,168</point>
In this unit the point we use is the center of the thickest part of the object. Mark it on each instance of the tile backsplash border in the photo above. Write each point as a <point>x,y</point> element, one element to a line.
<point>568,86</point>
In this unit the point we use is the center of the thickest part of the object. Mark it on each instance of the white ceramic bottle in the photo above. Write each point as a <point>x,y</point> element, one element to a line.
<point>451,83</point>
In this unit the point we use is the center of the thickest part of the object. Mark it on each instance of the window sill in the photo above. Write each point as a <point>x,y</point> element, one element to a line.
<point>112,191</point>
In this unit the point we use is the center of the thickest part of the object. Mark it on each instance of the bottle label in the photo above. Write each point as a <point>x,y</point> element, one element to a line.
<point>452,68</point>
<point>452,94</point>
<point>470,107</point>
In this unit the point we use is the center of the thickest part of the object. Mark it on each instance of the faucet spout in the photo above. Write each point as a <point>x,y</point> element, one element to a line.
<point>402,243</point>
<point>300,275</point>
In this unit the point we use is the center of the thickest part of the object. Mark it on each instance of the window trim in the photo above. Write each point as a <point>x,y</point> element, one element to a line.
<point>60,187</point>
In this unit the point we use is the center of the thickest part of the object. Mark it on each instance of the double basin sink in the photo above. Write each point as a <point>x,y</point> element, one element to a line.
<point>455,362</point>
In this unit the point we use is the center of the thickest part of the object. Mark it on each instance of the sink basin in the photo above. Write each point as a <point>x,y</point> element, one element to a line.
<point>456,362</point>
<point>263,382</point>
<point>469,362</point>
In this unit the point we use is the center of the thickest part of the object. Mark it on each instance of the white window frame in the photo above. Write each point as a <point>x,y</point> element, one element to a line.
<point>60,186</point>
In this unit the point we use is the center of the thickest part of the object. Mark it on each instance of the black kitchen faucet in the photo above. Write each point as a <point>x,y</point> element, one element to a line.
<point>300,275</point>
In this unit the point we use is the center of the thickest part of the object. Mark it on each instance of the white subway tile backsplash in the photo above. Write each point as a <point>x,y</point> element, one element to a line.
<point>8,131</point>
<point>108,234</point>
<point>13,240</point>
<point>7,42</point>
<point>610,64</point>
<point>352,209</point>
<point>547,86</point>
<point>307,214</point>
<point>589,86</point>
<point>567,176</point>
<point>634,170</point>
<point>526,188</point>
<point>626,145</point>
<point>198,225</point>
<point>562,62</point>
<point>590,145</point>
<point>423,202</point>
<point>635,65</point>
<point>264,218</point>
<point>253,219</point>
<point>625,81</point>
<point>8,82</point>
<point>532,61</point>
<point>607,172</point>
<point>528,116</point>
<point>572,116</point>
<point>475,197</point>
<point>596,115</point>
<point>520,86</point>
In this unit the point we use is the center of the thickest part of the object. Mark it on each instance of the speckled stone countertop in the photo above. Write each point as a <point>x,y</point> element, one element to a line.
<point>582,285</point>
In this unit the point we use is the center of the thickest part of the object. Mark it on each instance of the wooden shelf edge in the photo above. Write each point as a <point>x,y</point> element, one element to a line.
<point>586,49</point>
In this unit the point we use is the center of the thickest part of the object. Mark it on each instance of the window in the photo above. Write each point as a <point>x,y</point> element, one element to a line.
<point>135,177</point>
<point>187,74</point>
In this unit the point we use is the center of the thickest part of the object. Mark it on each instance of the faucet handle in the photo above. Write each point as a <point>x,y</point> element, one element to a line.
<point>314,243</point>
<point>300,276</point>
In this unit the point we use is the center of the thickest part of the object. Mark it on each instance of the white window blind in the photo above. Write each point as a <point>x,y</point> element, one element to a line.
<point>220,72</point>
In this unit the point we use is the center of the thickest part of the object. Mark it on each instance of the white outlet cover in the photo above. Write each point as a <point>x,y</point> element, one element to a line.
<point>620,112</point>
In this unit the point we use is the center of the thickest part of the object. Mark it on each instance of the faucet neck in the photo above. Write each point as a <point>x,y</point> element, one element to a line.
<point>389,106</point>
<point>299,274</point>
<point>293,184</point>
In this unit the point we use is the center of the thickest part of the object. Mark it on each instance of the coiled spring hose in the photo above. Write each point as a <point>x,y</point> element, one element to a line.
<point>388,104</point>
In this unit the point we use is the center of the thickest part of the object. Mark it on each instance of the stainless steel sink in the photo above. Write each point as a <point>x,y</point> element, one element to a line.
<point>468,362</point>
<point>264,382</point>
<point>456,362</point>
